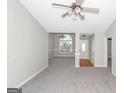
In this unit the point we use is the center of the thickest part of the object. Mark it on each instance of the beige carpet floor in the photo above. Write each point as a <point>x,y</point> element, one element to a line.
<point>62,77</point>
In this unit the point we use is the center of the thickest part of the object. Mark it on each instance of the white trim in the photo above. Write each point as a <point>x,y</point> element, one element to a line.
<point>100,66</point>
<point>114,74</point>
<point>77,66</point>
<point>64,56</point>
<point>21,84</point>
<point>106,51</point>
<point>77,54</point>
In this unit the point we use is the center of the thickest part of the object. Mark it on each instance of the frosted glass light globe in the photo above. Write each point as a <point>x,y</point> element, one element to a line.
<point>77,10</point>
<point>82,13</point>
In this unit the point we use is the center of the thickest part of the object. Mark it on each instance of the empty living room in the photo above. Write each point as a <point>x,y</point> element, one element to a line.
<point>61,46</point>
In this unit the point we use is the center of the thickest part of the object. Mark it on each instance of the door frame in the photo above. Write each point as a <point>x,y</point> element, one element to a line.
<point>109,38</point>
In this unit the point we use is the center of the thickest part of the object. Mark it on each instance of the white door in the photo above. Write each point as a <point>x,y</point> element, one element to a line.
<point>84,49</point>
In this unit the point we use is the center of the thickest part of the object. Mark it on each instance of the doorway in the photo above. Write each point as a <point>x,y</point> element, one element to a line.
<point>61,48</point>
<point>109,53</point>
<point>84,49</point>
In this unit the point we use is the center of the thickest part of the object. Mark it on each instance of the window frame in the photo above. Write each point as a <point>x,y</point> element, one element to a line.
<point>65,50</point>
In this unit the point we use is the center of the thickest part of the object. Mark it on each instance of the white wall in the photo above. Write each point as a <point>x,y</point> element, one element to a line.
<point>77,49</point>
<point>111,32</point>
<point>27,45</point>
<point>56,52</point>
<point>92,48</point>
<point>99,50</point>
<point>51,42</point>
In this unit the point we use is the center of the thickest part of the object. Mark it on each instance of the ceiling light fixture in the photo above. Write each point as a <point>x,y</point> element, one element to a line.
<point>75,9</point>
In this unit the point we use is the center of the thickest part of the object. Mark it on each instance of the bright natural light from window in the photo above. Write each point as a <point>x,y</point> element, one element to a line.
<point>65,43</point>
<point>83,47</point>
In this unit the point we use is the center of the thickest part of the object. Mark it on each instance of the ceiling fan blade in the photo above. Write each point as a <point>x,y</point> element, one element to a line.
<point>81,17</point>
<point>65,14</point>
<point>61,5</point>
<point>79,2</point>
<point>91,10</point>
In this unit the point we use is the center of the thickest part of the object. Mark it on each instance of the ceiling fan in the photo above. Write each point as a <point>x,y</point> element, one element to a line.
<point>77,10</point>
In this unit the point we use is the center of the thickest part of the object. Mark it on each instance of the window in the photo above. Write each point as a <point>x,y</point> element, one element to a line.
<point>65,43</point>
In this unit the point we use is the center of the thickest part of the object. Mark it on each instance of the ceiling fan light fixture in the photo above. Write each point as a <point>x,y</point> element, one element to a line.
<point>77,10</point>
<point>82,14</point>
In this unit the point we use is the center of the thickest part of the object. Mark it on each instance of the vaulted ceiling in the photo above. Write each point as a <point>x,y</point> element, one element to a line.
<point>50,17</point>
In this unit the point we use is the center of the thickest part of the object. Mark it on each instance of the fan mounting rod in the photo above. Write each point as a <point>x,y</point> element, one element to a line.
<point>74,5</point>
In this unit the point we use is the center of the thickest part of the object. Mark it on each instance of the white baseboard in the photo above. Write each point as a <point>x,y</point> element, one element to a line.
<point>21,84</point>
<point>100,66</point>
<point>77,66</point>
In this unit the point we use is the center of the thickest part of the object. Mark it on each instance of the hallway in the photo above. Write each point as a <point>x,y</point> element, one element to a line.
<point>62,77</point>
